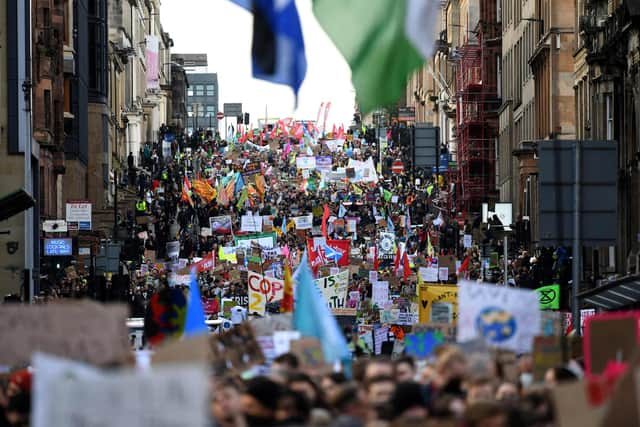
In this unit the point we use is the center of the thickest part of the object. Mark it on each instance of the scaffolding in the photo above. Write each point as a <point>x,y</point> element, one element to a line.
<point>477,102</point>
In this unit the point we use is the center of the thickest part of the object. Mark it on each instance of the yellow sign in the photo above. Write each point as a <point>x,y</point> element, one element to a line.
<point>438,303</point>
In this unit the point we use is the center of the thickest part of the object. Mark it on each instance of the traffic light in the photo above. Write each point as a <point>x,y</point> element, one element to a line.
<point>239,119</point>
<point>246,118</point>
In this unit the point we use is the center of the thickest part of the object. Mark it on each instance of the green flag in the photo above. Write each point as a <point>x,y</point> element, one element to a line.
<point>549,297</point>
<point>382,40</point>
<point>243,198</point>
<point>387,195</point>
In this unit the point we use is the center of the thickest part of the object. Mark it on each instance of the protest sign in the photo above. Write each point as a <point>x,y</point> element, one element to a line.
<point>263,240</point>
<point>437,303</point>
<point>167,396</point>
<point>220,224</point>
<point>549,297</point>
<point>251,168</point>
<point>236,349</point>
<point>309,353</point>
<point>373,276</point>
<point>423,344</point>
<point>251,223</point>
<point>429,274</point>
<point>610,337</point>
<point>269,325</point>
<point>466,241</point>
<point>173,250</point>
<point>446,330</point>
<point>334,289</point>
<point>304,222</point>
<point>443,274</point>
<point>547,354</point>
<point>282,341</point>
<point>380,293</point>
<point>380,335</point>
<point>324,162</point>
<point>506,318</point>
<point>306,162</point>
<point>84,331</point>
<point>263,290</point>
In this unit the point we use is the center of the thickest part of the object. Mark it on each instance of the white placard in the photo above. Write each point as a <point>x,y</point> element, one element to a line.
<point>75,395</point>
<point>263,290</point>
<point>429,274</point>
<point>282,341</point>
<point>304,222</point>
<point>443,274</point>
<point>373,276</point>
<point>380,293</point>
<point>467,240</point>
<point>506,317</point>
<point>78,215</point>
<point>251,223</point>
<point>308,162</point>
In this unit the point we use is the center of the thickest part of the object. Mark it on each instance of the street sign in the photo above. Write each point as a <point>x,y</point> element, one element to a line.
<point>78,215</point>
<point>220,115</point>
<point>598,192</point>
<point>232,109</point>
<point>397,167</point>
<point>54,226</point>
<point>406,114</point>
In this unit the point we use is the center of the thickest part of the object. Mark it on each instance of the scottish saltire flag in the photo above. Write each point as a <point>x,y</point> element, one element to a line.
<point>332,253</point>
<point>194,322</point>
<point>278,46</point>
<point>312,318</point>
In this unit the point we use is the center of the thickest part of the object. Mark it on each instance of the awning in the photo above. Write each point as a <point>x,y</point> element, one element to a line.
<point>615,295</point>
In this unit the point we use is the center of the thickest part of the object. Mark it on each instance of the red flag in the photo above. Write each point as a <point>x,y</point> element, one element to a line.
<point>325,217</point>
<point>376,261</point>
<point>407,267</point>
<point>334,132</point>
<point>340,133</point>
<point>186,191</point>
<point>299,132</point>
<point>396,261</point>
<point>464,266</point>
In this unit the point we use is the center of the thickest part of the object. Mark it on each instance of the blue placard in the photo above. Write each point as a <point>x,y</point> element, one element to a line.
<point>58,247</point>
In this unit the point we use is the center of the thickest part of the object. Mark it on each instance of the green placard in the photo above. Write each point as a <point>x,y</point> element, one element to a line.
<point>549,297</point>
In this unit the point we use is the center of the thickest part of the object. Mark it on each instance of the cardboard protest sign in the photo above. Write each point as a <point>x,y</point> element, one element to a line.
<point>83,331</point>
<point>167,396</point>
<point>610,337</point>
<point>220,224</point>
<point>446,330</point>
<point>334,289</point>
<point>304,222</point>
<point>547,354</point>
<point>309,352</point>
<point>263,290</point>
<point>506,318</point>
<point>438,303</point>
<point>268,325</point>
<point>236,349</point>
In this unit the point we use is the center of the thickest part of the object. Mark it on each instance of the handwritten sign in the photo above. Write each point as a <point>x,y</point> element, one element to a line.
<point>262,290</point>
<point>309,352</point>
<point>168,396</point>
<point>506,318</point>
<point>85,331</point>
<point>438,303</point>
<point>380,293</point>
<point>334,289</point>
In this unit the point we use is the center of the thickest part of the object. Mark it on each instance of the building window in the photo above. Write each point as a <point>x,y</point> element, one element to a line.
<point>211,110</point>
<point>199,90</point>
<point>47,109</point>
<point>190,92</point>
<point>211,90</point>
